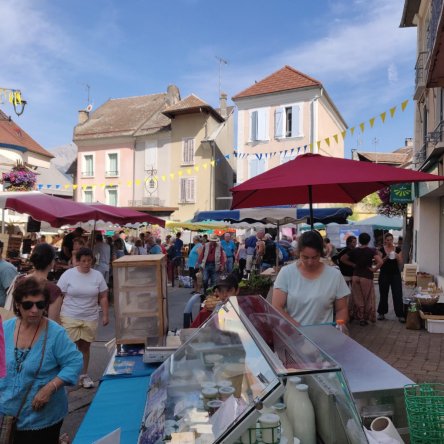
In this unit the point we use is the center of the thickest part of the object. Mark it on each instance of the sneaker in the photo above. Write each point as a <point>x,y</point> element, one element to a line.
<point>381,317</point>
<point>86,382</point>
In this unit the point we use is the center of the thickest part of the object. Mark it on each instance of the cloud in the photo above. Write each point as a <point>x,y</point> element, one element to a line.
<point>392,73</point>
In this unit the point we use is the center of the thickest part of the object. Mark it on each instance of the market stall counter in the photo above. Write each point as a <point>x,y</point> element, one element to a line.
<point>226,384</point>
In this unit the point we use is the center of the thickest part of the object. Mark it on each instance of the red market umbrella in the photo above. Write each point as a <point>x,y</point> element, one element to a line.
<point>127,215</point>
<point>312,178</point>
<point>54,210</point>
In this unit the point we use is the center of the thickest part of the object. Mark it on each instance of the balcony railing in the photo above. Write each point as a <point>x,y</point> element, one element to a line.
<point>436,136</point>
<point>420,156</point>
<point>147,201</point>
<point>111,173</point>
<point>87,173</point>
<point>435,15</point>
<point>420,74</point>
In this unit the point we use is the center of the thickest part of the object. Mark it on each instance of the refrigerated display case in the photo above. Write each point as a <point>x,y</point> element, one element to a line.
<point>140,298</point>
<point>233,370</point>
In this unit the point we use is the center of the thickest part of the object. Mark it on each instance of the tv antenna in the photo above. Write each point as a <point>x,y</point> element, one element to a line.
<point>375,143</point>
<point>221,62</point>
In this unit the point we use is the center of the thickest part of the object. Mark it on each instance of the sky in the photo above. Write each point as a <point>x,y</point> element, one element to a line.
<point>51,50</point>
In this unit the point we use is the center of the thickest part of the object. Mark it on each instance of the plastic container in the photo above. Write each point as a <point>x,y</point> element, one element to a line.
<point>434,326</point>
<point>425,412</point>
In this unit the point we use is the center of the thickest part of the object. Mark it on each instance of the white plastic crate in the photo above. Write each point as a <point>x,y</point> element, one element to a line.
<point>434,326</point>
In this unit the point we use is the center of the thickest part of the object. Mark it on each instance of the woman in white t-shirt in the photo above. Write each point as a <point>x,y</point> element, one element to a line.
<point>82,287</point>
<point>307,291</point>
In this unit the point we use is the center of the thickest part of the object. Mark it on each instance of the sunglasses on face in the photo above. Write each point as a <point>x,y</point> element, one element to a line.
<point>27,305</point>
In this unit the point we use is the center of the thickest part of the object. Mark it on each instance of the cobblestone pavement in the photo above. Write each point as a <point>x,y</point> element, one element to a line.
<point>417,354</point>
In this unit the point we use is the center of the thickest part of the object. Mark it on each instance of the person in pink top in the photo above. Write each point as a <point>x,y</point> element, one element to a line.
<point>2,351</point>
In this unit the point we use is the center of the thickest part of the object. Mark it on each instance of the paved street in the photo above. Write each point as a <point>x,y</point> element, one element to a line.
<point>417,354</point>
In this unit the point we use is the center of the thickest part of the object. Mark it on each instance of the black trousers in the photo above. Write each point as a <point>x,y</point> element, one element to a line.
<point>49,435</point>
<point>393,282</point>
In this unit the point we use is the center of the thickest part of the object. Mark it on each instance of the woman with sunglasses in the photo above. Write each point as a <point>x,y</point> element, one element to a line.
<point>308,291</point>
<point>40,360</point>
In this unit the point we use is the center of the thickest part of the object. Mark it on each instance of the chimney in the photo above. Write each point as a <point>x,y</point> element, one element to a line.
<point>83,116</point>
<point>409,141</point>
<point>173,95</point>
<point>223,105</point>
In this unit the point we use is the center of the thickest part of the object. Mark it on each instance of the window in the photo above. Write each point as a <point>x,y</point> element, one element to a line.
<point>111,195</point>
<point>88,195</point>
<point>188,152</point>
<point>188,190</point>
<point>112,165</point>
<point>286,158</point>
<point>255,166</point>
<point>150,156</point>
<point>259,125</point>
<point>88,165</point>
<point>288,121</point>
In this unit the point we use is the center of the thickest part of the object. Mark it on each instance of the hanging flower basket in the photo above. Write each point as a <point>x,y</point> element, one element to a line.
<point>20,178</point>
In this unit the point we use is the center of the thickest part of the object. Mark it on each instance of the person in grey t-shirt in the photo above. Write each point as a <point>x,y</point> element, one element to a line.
<point>306,292</point>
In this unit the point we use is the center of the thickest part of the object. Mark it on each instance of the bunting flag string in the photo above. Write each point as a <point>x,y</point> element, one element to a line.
<point>174,175</point>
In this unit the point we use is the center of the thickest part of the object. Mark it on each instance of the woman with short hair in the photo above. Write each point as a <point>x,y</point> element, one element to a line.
<point>82,287</point>
<point>41,360</point>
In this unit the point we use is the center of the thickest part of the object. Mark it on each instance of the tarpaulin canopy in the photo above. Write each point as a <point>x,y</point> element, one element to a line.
<point>381,222</point>
<point>198,226</point>
<point>281,215</point>
<point>312,178</point>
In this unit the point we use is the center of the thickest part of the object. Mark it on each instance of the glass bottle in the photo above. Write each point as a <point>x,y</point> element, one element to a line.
<point>303,417</point>
<point>290,393</point>
<point>280,409</point>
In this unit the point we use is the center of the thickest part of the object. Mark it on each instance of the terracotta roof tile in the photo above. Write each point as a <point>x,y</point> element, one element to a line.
<point>12,134</point>
<point>398,157</point>
<point>285,79</point>
<point>125,117</point>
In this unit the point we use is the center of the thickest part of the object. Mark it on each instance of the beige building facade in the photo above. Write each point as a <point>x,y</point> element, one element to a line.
<point>428,208</point>
<point>285,114</point>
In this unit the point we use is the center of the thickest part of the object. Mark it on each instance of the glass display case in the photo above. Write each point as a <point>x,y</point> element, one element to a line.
<point>140,298</point>
<point>250,376</point>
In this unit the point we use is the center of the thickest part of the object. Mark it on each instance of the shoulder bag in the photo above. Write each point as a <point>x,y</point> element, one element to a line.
<point>9,422</point>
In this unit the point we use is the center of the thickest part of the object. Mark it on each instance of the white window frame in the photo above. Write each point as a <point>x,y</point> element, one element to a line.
<point>189,198</point>
<point>185,156</point>
<point>259,122</point>
<point>252,159</point>
<point>151,146</point>
<point>109,188</point>
<point>280,122</point>
<point>85,173</point>
<point>89,189</point>
<point>108,172</point>
<point>286,158</point>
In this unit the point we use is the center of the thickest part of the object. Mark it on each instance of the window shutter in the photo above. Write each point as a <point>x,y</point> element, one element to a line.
<point>260,166</point>
<point>253,125</point>
<point>191,189</point>
<point>150,155</point>
<point>252,167</point>
<point>262,125</point>
<point>188,151</point>
<point>279,123</point>
<point>296,127</point>
<point>183,190</point>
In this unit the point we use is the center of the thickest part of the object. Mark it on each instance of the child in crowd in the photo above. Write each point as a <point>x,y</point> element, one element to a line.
<point>224,288</point>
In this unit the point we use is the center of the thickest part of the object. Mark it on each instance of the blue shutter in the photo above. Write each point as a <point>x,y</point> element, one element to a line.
<point>253,125</point>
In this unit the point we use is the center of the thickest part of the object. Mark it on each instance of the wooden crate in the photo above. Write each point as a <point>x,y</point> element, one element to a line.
<point>409,273</point>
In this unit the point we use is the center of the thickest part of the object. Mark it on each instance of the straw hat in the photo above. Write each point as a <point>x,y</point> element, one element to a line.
<point>213,238</point>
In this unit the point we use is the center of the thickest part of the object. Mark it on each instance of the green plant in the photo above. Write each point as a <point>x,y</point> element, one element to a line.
<point>255,284</point>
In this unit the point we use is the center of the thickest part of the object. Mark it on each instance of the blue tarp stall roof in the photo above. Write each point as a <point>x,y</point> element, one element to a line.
<point>380,222</point>
<point>274,215</point>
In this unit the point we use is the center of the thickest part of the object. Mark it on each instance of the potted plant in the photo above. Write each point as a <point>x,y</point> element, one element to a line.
<point>20,178</point>
<point>255,284</point>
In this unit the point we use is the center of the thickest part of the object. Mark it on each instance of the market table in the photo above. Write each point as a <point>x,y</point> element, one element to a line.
<point>119,402</point>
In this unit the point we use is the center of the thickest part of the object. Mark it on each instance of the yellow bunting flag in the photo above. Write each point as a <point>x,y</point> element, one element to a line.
<point>383,116</point>
<point>318,143</point>
<point>84,187</point>
<point>179,173</point>
<point>311,147</point>
<point>102,185</point>
<point>213,163</point>
<point>129,183</point>
<point>343,134</point>
<point>138,182</point>
<point>404,104</point>
<point>327,141</point>
<point>188,170</point>
<point>196,168</point>
<point>335,136</point>
<point>205,165</point>
<point>362,127</point>
<point>352,130</point>
<point>372,122</point>
<point>66,186</point>
<point>74,187</point>
<point>163,177</point>
<point>392,111</point>
<point>94,185</point>
<point>172,176</point>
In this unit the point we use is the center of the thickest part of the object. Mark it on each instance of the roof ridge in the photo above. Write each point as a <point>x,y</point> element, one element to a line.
<point>158,110</point>
<point>136,97</point>
<point>302,74</point>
